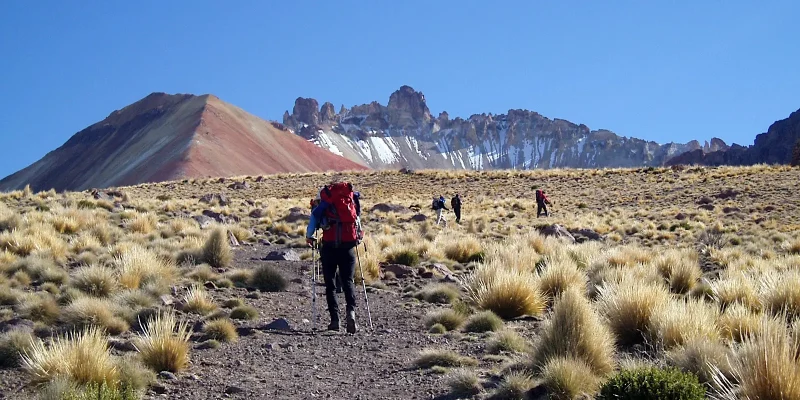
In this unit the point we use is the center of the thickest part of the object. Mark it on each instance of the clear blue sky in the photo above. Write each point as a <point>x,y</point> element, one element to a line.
<point>659,70</point>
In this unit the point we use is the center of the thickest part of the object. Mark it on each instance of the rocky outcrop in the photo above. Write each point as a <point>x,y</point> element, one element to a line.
<point>772,147</point>
<point>404,134</point>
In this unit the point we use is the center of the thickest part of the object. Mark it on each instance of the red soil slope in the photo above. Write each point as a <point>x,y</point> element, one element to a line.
<point>167,137</point>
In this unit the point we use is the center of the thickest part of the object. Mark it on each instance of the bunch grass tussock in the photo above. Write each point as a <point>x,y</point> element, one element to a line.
<point>629,307</point>
<point>575,330</point>
<point>508,292</point>
<point>164,344</point>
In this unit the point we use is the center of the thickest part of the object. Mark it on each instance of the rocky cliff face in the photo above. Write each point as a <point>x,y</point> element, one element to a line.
<point>772,147</point>
<point>405,134</point>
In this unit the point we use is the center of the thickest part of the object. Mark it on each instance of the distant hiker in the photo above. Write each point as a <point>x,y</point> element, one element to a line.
<point>541,203</point>
<point>439,206</point>
<point>339,205</point>
<point>455,203</point>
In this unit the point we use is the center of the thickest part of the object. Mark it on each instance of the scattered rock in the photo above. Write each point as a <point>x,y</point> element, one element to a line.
<point>245,330</point>
<point>399,270</point>
<point>282,255</point>
<point>426,275</point>
<point>233,240</point>
<point>167,300</point>
<point>210,285</point>
<point>707,207</point>
<point>280,324</point>
<point>585,233</point>
<point>121,344</point>
<point>680,216</point>
<point>222,219</point>
<point>419,218</point>
<point>167,375</point>
<point>406,171</point>
<point>260,179</point>
<point>557,231</point>
<point>769,208</point>
<point>233,390</point>
<point>264,242</point>
<point>383,207</point>
<point>257,213</point>
<point>728,210</point>
<point>705,200</point>
<point>98,195</point>
<point>445,272</point>
<point>223,200</point>
<point>204,221</point>
<point>295,216</point>
<point>16,324</point>
<point>239,186</point>
<point>727,194</point>
<point>158,388</point>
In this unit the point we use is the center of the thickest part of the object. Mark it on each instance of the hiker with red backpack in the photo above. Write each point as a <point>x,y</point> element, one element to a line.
<point>541,203</point>
<point>338,215</point>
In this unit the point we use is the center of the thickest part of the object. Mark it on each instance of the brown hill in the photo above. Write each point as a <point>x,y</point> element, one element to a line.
<point>166,137</point>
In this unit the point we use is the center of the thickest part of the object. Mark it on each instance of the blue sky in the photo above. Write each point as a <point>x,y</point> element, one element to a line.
<point>663,71</point>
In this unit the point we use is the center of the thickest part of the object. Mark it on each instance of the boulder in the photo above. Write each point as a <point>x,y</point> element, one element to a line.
<point>203,220</point>
<point>295,216</point>
<point>233,240</point>
<point>257,213</point>
<point>419,218</point>
<point>707,207</point>
<point>221,218</point>
<point>282,255</point>
<point>589,234</point>
<point>280,324</point>
<point>239,186</point>
<point>557,231</point>
<point>399,270</point>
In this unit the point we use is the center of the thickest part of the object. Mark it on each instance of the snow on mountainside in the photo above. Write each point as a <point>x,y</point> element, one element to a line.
<point>404,134</point>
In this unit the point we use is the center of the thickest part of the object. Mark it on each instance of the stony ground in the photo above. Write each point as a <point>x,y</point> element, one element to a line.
<point>301,363</point>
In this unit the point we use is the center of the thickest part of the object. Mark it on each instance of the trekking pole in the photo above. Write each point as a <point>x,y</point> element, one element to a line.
<point>314,286</point>
<point>364,285</point>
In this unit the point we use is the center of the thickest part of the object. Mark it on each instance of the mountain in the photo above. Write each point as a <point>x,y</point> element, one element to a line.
<point>166,137</point>
<point>772,147</point>
<point>404,134</point>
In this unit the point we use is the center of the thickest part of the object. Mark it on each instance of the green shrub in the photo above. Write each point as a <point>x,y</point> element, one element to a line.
<point>652,383</point>
<point>268,279</point>
<point>448,318</point>
<point>404,257</point>
<point>440,293</point>
<point>485,321</point>
<point>244,312</point>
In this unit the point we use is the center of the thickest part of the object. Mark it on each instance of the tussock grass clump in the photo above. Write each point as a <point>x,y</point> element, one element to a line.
<point>568,378</point>
<point>220,329</point>
<point>764,367</point>
<point>463,383</point>
<point>240,277</point>
<point>509,293</point>
<point>738,322</point>
<point>164,345</point>
<point>448,318</point>
<point>9,296</point>
<point>460,248</point>
<point>736,287</point>
<point>91,311</point>
<point>515,386</point>
<point>629,307</point>
<point>438,293</point>
<point>507,341</point>
<point>402,255</point>
<point>781,294</point>
<point>143,223</point>
<point>202,273</point>
<point>138,267</point>
<point>95,280</point>
<point>197,300</point>
<point>559,275</point>
<point>82,357</point>
<point>217,250</point>
<point>244,312</point>
<point>40,307</point>
<point>680,268</point>
<point>702,358</point>
<point>13,344</point>
<point>575,330</point>
<point>685,320</point>
<point>430,358</point>
<point>233,303</point>
<point>485,321</point>
<point>267,279</point>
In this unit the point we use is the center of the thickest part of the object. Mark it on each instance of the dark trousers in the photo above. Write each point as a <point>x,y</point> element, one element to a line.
<point>457,211</point>
<point>342,259</point>
<point>541,206</point>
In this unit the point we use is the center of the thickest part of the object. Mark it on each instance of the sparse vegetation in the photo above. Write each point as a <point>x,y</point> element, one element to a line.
<point>267,279</point>
<point>652,383</point>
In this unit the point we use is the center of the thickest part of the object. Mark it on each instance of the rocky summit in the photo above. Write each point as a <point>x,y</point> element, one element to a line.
<point>404,134</point>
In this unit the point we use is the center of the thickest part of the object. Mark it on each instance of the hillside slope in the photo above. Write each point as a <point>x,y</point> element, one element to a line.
<point>167,137</point>
<point>405,134</point>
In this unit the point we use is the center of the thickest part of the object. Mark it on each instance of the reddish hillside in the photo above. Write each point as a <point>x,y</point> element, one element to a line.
<point>167,137</point>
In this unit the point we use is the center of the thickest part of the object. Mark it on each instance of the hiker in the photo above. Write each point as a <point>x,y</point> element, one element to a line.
<point>340,206</point>
<point>439,206</point>
<point>323,223</point>
<point>541,203</point>
<point>455,203</point>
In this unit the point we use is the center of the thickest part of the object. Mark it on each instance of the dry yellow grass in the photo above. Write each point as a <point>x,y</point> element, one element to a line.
<point>82,357</point>
<point>164,345</point>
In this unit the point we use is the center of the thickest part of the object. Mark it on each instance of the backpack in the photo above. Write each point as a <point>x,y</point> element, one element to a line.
<point>342,213</point>
<point>539,195</point>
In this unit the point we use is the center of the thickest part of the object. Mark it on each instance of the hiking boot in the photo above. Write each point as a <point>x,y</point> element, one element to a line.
<point>334,325</point>
<point>351,322</point>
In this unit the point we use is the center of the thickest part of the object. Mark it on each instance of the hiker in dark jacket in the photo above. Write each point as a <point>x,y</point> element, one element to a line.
<point>439,206</point>
<point>541,203</point>
<point>455,204</point>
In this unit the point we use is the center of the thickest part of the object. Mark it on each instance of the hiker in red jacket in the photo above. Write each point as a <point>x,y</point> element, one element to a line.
<point>541,203</point>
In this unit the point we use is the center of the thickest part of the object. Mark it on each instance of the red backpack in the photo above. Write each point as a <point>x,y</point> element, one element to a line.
<point>341,213</point>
